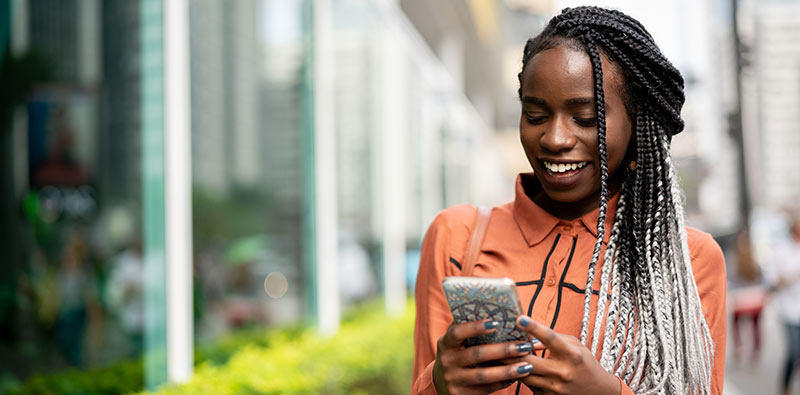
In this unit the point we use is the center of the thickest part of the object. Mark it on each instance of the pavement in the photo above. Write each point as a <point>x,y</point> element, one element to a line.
<point>760,376</point>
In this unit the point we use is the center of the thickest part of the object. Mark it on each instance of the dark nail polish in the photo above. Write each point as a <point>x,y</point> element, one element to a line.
<point>524,347</point>
<point>534,341</point>
<point>491,325</point>
<point>527,368</point>
<point>524,321</point>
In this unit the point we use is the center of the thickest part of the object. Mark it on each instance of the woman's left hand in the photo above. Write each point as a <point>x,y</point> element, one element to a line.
<point>570,368</point>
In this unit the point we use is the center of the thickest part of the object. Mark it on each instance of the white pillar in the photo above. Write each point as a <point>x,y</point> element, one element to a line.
<point>392,129</point>
<point>326,230</point>
<point>178,193</point>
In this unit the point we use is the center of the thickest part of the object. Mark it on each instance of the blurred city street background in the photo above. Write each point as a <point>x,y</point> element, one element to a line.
<point>181,180</point>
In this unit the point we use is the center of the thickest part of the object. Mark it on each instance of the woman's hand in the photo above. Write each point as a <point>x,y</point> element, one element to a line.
<point>570,368</point>
<point>455,370</point>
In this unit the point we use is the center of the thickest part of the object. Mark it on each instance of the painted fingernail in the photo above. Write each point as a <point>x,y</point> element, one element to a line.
<point>534,341</point>
<point>491,324</point>
<point>524,347</point>
<point>527,368</point>
<point>524,321</point>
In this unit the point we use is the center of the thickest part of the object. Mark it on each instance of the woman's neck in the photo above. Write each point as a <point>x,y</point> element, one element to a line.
<point>569,210</point>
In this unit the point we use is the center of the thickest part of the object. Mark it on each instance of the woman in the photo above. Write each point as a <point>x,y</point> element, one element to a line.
<point>600,215</point>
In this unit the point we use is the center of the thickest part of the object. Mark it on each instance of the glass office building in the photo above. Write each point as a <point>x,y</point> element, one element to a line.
<point>86,184</point>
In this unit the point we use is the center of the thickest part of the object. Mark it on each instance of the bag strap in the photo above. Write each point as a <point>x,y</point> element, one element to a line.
<point>476,240</point>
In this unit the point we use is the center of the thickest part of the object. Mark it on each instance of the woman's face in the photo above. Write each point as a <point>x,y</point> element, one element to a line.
<point>558,126</point>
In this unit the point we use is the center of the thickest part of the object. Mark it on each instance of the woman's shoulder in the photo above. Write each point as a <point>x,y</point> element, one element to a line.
<point>461,217</point>
<point>450,229</point>
<point>702,244</point>
<point>708,262</point>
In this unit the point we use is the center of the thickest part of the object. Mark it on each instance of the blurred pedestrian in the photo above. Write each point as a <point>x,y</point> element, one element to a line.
<point>77,300</point>
<point>747,295</point>
<point>125,294</point>
<point>783,276</point>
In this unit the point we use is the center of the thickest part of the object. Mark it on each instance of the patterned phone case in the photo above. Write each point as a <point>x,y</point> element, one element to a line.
<point>477,298</point>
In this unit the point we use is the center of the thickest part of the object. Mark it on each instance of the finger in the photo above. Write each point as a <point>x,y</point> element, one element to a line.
<point>544,366</point>
<point>537,345</point>
<point>549,338</point>
<point>494,374</point>
<point>511,361</point>
<point>457,333</point>
<point>492,352</point>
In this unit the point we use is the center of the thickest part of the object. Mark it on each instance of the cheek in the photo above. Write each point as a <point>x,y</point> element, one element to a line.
<point>527,136</point>
<point>617,141</point>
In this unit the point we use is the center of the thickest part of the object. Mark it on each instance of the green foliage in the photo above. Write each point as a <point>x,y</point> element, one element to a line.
<point>371,353</point>
<point>121,378</point>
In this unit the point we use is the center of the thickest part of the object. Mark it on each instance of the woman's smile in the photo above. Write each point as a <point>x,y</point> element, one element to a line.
<point>562,175</point>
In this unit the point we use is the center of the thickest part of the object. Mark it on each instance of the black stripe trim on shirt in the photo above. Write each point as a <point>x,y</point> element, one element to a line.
<point>561,282</point>
<point>538,288</point>
<point>524,283</point>
<point>579,290</point>
<point>583,290</point>
<point>561,287</point>
<point>455,262</point>
<point>544,272</point>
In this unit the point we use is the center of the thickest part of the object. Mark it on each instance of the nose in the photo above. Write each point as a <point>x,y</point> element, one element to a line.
<point>559,137</point>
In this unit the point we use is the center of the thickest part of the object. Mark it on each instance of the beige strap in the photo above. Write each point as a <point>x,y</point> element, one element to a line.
<point>476,240</point>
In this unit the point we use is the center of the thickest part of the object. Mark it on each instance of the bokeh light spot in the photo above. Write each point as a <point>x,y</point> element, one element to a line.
<point>276,285</point>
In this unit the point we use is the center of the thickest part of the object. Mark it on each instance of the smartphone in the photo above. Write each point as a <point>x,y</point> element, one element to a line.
<point>478,298</point>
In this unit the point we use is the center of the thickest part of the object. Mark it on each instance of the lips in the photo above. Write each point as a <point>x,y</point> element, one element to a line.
<point>563,174</point>
<point>563,167</point>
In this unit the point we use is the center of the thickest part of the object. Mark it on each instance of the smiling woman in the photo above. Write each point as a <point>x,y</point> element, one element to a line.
<point>622,297</point>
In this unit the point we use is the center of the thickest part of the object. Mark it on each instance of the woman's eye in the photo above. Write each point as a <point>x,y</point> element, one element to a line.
<point>536,119</point>
<point>586,121</point>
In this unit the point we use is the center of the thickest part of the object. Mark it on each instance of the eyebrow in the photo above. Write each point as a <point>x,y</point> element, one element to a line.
<point>576,101</point>
<point>533,100</point>
<point>579,101</point>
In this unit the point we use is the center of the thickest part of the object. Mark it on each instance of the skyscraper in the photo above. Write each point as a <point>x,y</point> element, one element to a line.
<point>772,100</point>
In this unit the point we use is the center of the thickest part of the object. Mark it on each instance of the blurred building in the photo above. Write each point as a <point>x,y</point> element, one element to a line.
<point>771,96</point>
<point>119,140</point>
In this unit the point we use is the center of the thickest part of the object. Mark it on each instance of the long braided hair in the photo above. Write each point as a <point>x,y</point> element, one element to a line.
<point>655,338</point>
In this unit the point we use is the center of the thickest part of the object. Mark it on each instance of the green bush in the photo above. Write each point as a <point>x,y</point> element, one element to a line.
<point>370,354</point>
<point>125,377</point>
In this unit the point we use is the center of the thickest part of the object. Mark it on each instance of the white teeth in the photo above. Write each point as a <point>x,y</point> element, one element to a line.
<point>563,167</point>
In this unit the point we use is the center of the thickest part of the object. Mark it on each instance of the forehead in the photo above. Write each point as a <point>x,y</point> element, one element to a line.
<point>565,70</point>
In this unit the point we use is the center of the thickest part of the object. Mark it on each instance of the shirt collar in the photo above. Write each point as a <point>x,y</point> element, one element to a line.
<point>536,223</point>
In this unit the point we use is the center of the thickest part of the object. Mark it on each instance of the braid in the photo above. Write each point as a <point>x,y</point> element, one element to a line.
<point>594,56</point>
<point>654,334</point>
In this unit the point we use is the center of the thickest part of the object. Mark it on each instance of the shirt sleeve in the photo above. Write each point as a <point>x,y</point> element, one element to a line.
<point>433,313</point>
<point>708,265</point>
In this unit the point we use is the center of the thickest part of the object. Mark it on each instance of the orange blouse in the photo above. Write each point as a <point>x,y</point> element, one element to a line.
<point>548,258</point>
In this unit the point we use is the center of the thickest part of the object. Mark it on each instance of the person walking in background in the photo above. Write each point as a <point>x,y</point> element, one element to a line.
<point>747,296</point>
<point>783,277</point>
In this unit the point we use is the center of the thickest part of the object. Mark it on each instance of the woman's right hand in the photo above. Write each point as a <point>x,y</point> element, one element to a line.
<point>456,370</point>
